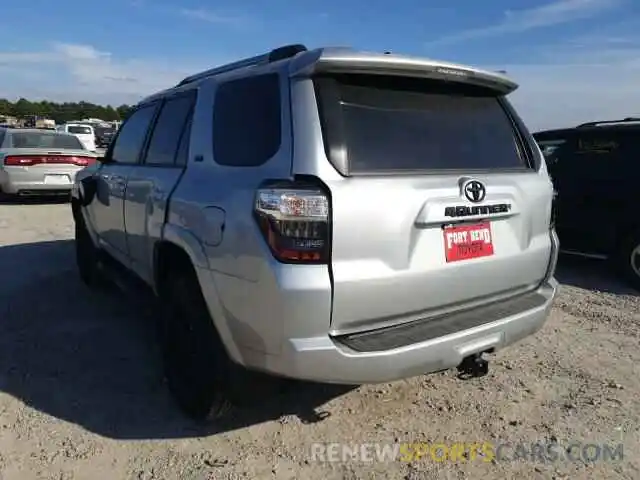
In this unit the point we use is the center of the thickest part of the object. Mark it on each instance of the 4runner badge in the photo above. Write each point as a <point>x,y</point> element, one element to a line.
<point>466,211</point>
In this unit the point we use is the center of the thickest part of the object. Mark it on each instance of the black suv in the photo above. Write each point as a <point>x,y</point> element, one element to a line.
<point>595,168</point>
<point>104,136</point>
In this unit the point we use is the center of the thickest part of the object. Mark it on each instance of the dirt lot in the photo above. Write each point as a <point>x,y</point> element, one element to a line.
<point>81,396</point>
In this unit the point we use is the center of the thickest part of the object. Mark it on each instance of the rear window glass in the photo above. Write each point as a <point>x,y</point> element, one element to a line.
<point>44,140</point>
<point>397,124</point>
<point>79,129</point>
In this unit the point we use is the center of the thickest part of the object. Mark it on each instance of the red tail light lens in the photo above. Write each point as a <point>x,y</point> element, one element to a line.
<point>31,160</point>
<point>295,224</point>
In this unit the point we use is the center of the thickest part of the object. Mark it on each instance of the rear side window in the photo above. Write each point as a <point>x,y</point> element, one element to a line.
<point>383,124</point>
<point>132,135</point>
<point>550,146</point>
<point>1,137</point>
<point>247,126</point>
<point>598,154</point>
<point>553,143</point>
<point>165,138</point>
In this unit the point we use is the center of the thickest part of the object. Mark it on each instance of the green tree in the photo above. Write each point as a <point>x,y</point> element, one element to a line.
<point>62,112</point>
<point>22,108</point>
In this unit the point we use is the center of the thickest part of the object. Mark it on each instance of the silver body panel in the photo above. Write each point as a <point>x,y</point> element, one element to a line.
<point>289,319</point>
<point>42,177</point>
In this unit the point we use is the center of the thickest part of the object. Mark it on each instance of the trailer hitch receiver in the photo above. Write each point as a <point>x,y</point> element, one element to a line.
<point>473,366</point>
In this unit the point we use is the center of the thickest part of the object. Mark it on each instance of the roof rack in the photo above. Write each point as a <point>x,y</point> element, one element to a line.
<point>274,55</point>
<point>608,122</point>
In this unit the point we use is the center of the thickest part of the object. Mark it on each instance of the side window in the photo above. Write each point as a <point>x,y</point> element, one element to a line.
<point>132,135</point>
<point>561,157</point>
<point>2,135</point>
<point>168,130</point>
<point>183,149</point>
<point>550,146</point>
<point>591,155</point>
<point>598,144</point>
<point>247,126</point>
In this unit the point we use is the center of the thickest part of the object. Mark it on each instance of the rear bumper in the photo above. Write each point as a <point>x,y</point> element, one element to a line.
<point>385,356</point>
<point>324,359</point>
<point>19,182</point>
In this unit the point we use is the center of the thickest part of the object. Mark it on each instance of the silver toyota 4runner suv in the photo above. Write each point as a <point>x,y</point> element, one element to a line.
<point>328,215</point>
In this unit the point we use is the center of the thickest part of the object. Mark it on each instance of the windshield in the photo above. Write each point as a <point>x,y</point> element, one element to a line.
<point>79,129</point>
<point>45,140</point>
<point>397,124</point>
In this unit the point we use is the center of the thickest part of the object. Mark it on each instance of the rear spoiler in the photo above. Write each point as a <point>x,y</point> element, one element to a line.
<point>345,60</point>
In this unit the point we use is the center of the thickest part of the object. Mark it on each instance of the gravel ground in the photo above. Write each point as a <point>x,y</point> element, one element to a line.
<point>81,396</point>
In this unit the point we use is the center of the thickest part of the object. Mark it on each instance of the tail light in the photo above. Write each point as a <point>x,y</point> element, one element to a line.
<point>295,223</point>
<point>31,160</point>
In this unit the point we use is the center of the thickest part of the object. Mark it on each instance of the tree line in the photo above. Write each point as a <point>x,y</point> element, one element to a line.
<point>62,112</point>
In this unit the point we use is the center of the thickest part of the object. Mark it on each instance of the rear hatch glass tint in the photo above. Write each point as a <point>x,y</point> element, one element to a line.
<point>374,124</point>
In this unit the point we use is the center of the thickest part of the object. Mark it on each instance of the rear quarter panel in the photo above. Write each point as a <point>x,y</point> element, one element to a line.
<point>249,283</point>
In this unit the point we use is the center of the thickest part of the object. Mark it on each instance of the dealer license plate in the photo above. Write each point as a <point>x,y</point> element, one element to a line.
<point>464,242</point>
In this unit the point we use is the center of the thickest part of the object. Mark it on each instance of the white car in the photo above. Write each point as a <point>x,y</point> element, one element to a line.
<point>85,134</point>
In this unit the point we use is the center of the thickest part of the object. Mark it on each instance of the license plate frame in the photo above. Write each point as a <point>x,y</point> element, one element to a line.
<point>57,179</point>
<point>468,241</point>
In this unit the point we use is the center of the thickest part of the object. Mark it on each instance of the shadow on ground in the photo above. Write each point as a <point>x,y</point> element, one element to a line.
<point>90,358</point>
<point>597,275</point>
<point>33,200</point>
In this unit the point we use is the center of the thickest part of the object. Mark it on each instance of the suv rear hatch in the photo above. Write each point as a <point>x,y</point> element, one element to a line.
<point>440,203</point>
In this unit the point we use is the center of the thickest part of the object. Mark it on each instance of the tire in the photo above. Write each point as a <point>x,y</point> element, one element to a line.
<point>86,256</point>
<point>629,259</point>
<point>197,368</point>
<point>5,197</point>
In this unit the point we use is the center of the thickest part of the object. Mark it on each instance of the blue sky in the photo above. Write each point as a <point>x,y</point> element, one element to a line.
<point>575,60</point>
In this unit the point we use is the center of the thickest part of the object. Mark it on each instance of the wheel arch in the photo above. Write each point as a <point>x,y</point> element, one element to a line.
<point>175,252</point>
<point>623,233</point>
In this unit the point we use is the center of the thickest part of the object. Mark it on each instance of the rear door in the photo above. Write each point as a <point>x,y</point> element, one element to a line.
<point>149,186</point>
<point>443,199</point>
<point>107,208</point>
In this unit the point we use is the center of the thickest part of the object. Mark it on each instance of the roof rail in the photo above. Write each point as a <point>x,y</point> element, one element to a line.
<point>274,55</point>
<point>608,122</point>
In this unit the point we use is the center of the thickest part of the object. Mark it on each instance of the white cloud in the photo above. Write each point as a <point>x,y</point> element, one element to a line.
<point>516,21</point>
<point>586,79</point>
<point>82,72</point>
<point>211,16</point>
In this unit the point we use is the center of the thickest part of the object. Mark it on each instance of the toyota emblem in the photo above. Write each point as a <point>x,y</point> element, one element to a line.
<point>474,191</point>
